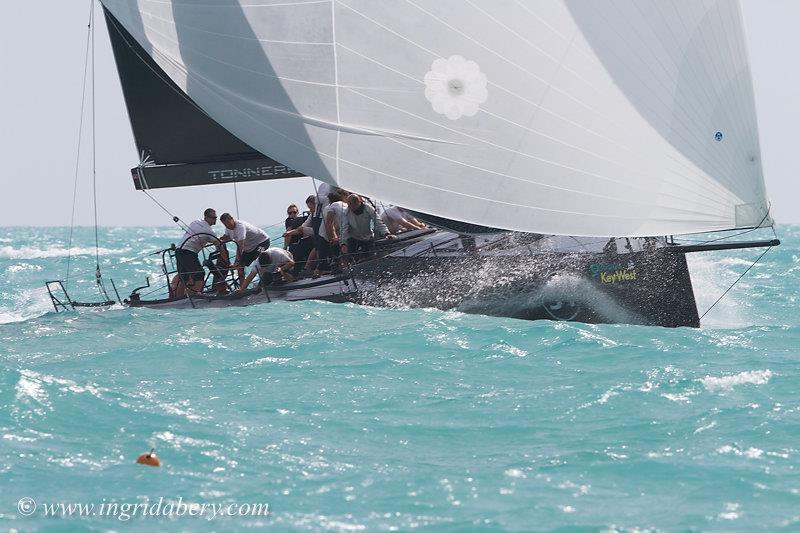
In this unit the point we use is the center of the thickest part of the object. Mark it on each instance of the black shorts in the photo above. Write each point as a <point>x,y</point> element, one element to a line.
<point>188,265</point>
<point>248,257</point>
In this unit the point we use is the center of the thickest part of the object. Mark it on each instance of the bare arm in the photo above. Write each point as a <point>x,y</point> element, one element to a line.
<point>248,280</point>
<point>286,267</point>
<point>407,224</point>
<point>330,227</point>
<point>239,250</point>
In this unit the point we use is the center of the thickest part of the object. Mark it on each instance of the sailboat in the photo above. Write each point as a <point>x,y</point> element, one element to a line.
<point>556,146</point>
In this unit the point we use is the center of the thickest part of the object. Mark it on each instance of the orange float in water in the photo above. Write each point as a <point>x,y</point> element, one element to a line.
<point>149,459</point>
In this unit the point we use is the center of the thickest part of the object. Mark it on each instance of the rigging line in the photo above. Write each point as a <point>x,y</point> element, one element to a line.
<point>175,219</point>
<point>275,224</point>
<point>78,149</point>
<point>236,198</point>
<point>735,282</point>
<point>94,151</point>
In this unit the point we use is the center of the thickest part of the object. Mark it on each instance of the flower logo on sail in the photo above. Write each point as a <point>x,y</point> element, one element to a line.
<point>455,87</point>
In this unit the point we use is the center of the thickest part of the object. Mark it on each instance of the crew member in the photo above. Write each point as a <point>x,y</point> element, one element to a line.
<point>335,217</point>
<point>362,225</point>
<point>303,248</point>
<point>272,265</point>
<point>293,221</point>
<point>249,241</point>
<point>190,272</point>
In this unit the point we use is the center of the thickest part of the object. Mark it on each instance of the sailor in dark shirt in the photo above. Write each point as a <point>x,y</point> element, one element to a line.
<point>298,238</point>
<point>293,221</point>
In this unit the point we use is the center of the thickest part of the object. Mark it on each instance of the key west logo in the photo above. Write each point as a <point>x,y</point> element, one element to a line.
<point>613,272</point>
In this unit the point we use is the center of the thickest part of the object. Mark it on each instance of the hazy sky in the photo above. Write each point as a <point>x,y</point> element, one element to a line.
<point>42,67</point>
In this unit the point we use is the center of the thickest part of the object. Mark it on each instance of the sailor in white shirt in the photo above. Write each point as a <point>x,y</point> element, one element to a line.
<point>334,219</point>
<point>190,271</point>
<point>269,264</point>
<point>248,238</point>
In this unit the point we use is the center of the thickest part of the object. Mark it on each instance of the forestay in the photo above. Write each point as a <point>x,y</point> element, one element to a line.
<point>563,116</point>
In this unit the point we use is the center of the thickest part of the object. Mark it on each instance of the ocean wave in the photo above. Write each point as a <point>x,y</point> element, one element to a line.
<point>750,453</point>
<point>23,267</point>
<point>29,252</point>
<point>735,261</point>
<point>727,383</point>
<point>28,304</point>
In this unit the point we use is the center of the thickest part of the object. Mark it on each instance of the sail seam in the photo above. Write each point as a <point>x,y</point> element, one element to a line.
<point>694,138</point>
<point>284,4</point>
<point>484,198</point>
<point>501,147</point>
<point>607,119</point>
<point>506,59</point>
<point>720,212</point>
<point>240,37</point>
<point>214,59</point>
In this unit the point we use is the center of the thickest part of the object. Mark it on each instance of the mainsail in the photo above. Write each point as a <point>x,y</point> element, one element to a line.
<point>581,117</point>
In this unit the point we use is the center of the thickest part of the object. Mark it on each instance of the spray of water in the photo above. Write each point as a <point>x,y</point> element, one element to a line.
<point>26,304</point>
<point>711,275</point>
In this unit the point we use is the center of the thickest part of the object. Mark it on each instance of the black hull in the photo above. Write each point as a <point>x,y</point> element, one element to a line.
<point>648,288</point>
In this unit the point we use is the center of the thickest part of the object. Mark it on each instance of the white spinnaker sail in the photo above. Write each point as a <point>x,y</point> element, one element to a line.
<point>581,117</point>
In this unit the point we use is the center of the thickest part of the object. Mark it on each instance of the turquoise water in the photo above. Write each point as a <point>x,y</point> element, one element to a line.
<point>350,418</point>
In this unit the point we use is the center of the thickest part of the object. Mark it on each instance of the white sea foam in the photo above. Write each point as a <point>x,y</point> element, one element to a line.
<point>23,267</point>
<point>30,252</point>
<point>264,361</point>
<point>727,383</point>
<point>607,395</point>
<point>731,512</point>
<point>29,388</point>
<point>706,427</point>
<point>182,441</point>
<point>515,472</point>
<point>31,384</point>
<point>710,277</point>
<point>28,304</point>
<point>750,453</point>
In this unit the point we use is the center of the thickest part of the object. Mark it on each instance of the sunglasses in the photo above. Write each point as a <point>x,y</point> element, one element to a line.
<point>291,212</point>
